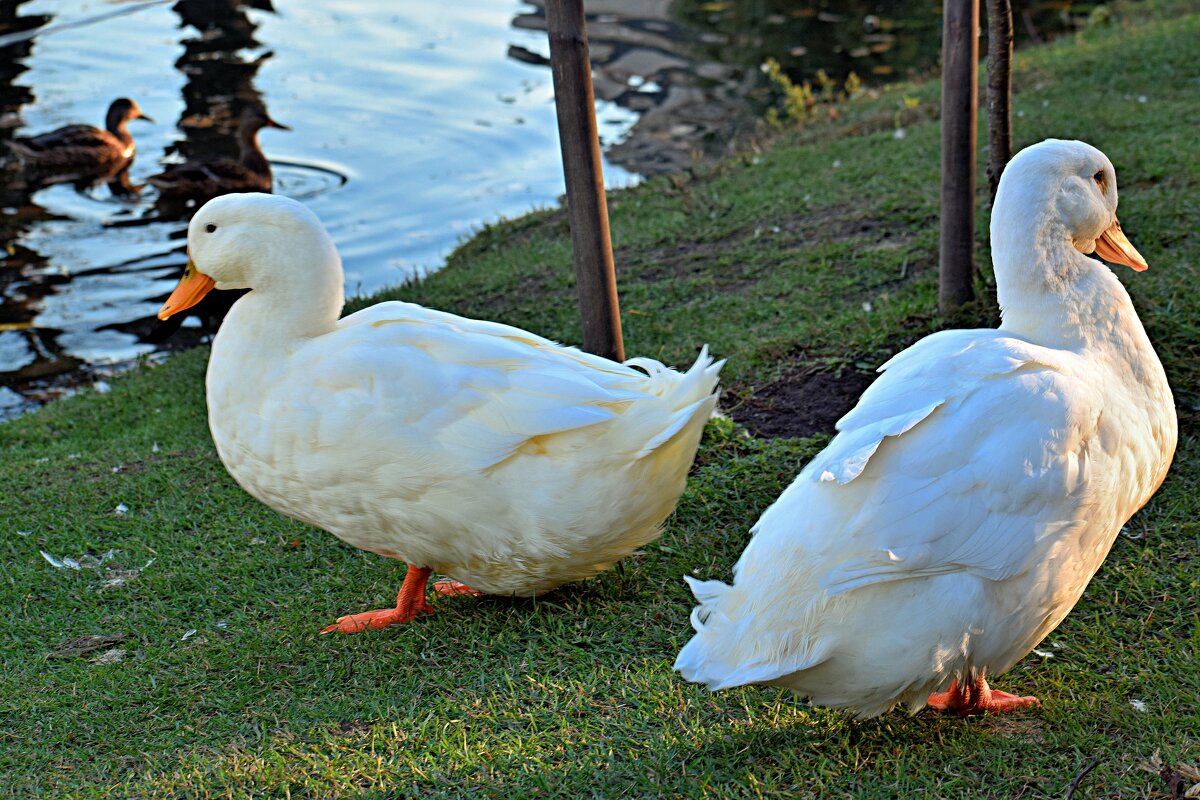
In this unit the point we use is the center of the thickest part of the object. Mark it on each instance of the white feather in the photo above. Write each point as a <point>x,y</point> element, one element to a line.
<point>488,453</point>
<point>972,493</point>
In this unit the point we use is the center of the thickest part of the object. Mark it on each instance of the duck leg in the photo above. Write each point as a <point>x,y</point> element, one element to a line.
<point>976,697</point>
<point>410,603</point>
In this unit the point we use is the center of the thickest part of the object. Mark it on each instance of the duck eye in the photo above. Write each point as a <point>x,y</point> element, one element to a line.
<point>210,228</point>
<point>1099,179</point>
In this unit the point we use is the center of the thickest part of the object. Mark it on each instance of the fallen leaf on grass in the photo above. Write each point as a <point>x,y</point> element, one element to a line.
<point>1174,776</point>
<point>116,576</point>
<point>112,656</point>
<point>66,563</point>
<point>86,560</point>
<point>86,644</point>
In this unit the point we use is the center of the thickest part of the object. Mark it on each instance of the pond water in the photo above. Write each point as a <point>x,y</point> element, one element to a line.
<point>407,133</point>
<point>412,125</point>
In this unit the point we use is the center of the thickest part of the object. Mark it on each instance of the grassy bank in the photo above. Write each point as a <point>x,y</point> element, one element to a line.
<point>806,265</point>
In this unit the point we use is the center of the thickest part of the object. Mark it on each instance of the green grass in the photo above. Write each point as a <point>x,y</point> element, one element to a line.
<point>769,259</point>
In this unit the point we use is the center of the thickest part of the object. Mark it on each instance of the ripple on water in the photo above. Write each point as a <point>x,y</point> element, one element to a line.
<point>304,181</point>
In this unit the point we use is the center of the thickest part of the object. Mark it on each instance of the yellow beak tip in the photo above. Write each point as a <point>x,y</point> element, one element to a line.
<point>190,291</point>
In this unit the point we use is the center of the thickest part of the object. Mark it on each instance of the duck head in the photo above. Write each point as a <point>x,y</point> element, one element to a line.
<point>123,110</point>
<point>1055,206</point>
<point>255,117</point>
<point>1068,190</point>
<point>266,243</point>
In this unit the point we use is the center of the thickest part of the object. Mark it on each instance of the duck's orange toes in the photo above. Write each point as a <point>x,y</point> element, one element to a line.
<point>410,603</point>
<point>380,618</point>
<point>976,697</point>
<point>454,588</point>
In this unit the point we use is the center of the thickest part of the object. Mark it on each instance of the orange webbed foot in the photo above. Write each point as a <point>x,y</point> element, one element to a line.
<point>410,604</point>
<point>977,697</point>
<point>381,618</point>
<point>455,588</point>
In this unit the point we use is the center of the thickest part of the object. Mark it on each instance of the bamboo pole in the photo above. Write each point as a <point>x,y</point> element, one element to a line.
<point>587,209</point>
<point>960,102</point>
<point>999,91</point>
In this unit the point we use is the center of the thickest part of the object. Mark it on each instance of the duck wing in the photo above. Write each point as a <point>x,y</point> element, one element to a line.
<point>201,173</point>
<point>70,136</point>
<point>972,452</point>
<point>226,170</point>
<point>472,393</point>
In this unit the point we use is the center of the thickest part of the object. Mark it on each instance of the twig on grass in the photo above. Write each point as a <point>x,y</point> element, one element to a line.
<point>1074,784</point>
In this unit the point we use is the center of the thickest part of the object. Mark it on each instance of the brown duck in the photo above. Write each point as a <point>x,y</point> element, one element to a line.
<point>202,179</point>
<point>83,150</point>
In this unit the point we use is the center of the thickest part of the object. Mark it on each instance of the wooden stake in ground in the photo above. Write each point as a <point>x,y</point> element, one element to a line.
<point>960,102</point>
<point>587,209</point>
<point>999,91</point>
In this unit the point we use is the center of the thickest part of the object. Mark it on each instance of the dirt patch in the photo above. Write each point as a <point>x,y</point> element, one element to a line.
<point>353,726</point>
<point>688,259</point>
<point>839,224</point>
<point>675,261</point>
<point>802,404</point>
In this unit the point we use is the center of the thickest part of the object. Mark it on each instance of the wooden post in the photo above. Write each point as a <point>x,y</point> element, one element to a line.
<point>999,91</point>
<point>960,101</point>
<point>587,209</point>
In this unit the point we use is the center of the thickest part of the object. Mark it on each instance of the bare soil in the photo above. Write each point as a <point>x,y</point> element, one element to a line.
<point>803,403</point>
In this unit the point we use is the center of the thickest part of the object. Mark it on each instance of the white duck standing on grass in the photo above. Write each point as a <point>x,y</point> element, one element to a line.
<point>477,450</point>
<point>969,497</point>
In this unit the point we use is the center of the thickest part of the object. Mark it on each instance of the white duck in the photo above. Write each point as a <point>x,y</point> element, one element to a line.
<point>969,497</point>
<point>472,448</point>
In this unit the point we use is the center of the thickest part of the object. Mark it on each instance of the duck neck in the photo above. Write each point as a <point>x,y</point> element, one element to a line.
<point>252,157</point>
<point>1053,295</point>
<point>281,314</point>
<point>117,124</point>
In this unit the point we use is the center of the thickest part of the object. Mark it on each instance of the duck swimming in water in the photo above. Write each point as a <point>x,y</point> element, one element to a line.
<point>201,179</point>
<point>81,151</point>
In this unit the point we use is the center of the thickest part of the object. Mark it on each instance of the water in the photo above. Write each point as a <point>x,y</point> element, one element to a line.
<point>413,125</point>
<point>408,133</point>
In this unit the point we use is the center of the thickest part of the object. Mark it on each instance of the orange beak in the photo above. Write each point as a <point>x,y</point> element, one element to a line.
<point>1113,247</point>
<point>191,290</point>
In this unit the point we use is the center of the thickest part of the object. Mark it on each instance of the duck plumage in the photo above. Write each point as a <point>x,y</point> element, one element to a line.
<point>83,150</point>
<point>201,179</point>
<point>469,447</point>
<point>969,497</point>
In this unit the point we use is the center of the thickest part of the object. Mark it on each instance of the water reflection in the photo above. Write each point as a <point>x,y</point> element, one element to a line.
<point>219,66</point>
<point>690,68</point>
<point>875,40</point>
<point>646,59</point>
<point>20,342</point>
<point>88,274</point>
<point>438,134</point>
<point>12,95</point>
